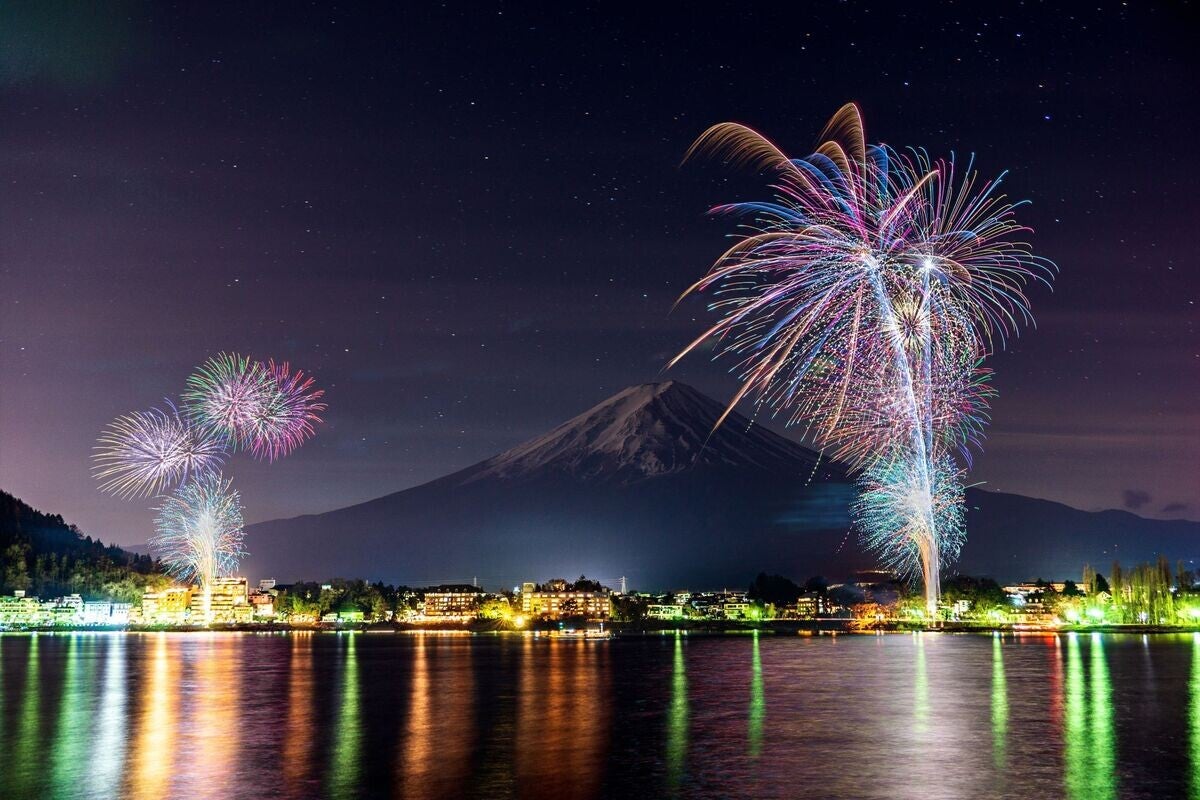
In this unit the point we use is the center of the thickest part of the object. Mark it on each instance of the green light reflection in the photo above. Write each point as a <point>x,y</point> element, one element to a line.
<point>26,766</point>
<point>1088,733</point>
<point>1194,719</point>
<point>347,737</point>
<point>999,706</point>
<point>1104,755</point>
<point>72,731</point>
<point>677,721</point>
<point>758,706</point>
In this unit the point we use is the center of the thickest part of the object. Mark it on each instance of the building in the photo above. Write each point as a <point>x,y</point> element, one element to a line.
<point>17,610</point>
<point>452,604</point>
<point>736,610</point>
<point>809,606</point>
<point>64,611</point>
<point>562,602</point>
<point>229,601</point>
<point>170,606</point>
<point>263,604</point>
<point>664,611</point>
<point>102,612</point>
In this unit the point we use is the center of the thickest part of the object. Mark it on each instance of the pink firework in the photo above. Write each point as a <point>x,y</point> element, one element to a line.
<point>287,418</point>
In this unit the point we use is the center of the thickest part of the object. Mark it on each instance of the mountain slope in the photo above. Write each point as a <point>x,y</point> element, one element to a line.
<point>641,486</point>
<point>42,554</point>
<point>642,432</point>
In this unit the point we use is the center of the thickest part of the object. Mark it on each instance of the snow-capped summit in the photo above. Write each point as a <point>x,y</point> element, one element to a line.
<point>647,431</point>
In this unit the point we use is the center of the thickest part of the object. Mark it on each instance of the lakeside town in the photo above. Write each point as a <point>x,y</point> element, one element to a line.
<point>1147,596</point>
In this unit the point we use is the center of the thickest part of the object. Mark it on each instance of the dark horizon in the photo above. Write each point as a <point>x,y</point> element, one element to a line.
<point>469,222</point>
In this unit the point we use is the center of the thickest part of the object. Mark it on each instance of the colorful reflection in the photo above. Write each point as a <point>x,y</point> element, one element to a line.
<point>298,738</point>
<point>73,728</point>
<point>677,717</point>
<point>999,705</point>
<point>1089,738</point>
<point>154,744</point>
<point>563,719</point>
<point>758,707</point>
<point>439,737</point>
<point>344,770</point>
<point>218,674</point>
<point>108,750</point>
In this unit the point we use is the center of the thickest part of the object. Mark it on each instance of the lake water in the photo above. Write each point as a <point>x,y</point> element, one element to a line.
<point>228,715</point>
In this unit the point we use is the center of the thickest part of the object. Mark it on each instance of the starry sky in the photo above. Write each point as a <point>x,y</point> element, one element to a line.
<point>470,222</point>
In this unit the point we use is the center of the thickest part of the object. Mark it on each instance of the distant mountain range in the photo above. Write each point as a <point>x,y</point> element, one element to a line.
<point>641,486</point>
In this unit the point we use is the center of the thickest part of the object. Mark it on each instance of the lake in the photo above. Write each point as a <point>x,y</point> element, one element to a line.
<point>246,715</point>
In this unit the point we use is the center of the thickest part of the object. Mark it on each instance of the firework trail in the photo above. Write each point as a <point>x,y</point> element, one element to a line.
<point>146,452</point>
<point>285,419</point>
<point>198,531</point>
<point>861,302</point>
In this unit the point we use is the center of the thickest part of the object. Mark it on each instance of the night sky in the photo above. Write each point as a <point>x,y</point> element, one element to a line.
<point>469,220</point>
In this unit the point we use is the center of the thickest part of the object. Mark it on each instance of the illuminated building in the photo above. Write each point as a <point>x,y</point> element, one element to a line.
<point>18,609</point>
<point>170,606</point>
<point>230,600</point>
<point>736,610</point>
<point>559,603</point>
<point>63,610</point>
<point>457,603</point>
<point>807,606</point>
<point>101,612</point>
<point>658,611</point>
<point>263,604</point>
<point>350,616</point>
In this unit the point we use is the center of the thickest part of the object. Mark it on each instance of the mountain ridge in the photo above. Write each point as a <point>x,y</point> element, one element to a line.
<point>640,484</point>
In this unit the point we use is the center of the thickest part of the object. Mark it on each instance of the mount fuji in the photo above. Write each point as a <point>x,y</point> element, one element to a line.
<point>641,486</point>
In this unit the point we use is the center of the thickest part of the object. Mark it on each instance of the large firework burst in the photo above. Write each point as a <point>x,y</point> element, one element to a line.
<point>226,394</point>
<point>861,302</point>
<point>146,452</point>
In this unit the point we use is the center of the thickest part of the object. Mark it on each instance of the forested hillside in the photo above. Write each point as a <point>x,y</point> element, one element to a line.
<point>45,556</point>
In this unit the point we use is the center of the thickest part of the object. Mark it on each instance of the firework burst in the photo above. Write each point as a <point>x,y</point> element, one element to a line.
<point>285,420</point>
<point>198,530</point>
<point>146,452</point>
<point>860,302</point>
<point>225,396</point>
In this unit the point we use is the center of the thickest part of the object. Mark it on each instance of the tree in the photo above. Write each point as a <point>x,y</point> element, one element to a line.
<point>1070,589</point>
<point>774,589</point>
<point>629,608</point>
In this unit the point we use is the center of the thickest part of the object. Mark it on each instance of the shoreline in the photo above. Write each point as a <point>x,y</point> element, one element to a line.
<point>820,627</point>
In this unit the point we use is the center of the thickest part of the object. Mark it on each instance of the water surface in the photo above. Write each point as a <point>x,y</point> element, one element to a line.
<point>234,715</point>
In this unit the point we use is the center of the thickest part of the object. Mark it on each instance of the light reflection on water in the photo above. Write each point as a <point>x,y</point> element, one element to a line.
<point>424,716</point>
